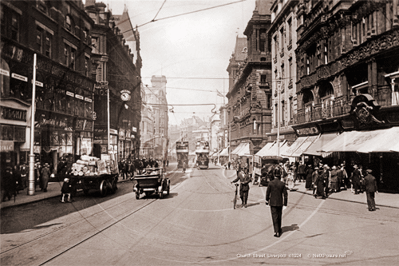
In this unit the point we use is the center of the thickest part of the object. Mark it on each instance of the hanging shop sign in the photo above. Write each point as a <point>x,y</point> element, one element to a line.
<point>4,72</point>
<point>134,129</point>
<point>121,134</point>
<point>19,77</point>
<point>125,95</point>
<point>113,131</point>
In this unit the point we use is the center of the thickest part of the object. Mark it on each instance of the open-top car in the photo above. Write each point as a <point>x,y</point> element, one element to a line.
<point>152,180</point>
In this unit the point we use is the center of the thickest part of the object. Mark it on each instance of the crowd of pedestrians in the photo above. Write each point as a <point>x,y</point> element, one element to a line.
<point>128,168</point>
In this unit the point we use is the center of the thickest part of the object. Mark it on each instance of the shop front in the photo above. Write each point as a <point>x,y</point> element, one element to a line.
<point>14,131</point>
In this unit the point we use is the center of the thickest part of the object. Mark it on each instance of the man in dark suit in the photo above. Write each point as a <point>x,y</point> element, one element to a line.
<point>370,184</point>
<point>355,179</point>
<point>276,197</point>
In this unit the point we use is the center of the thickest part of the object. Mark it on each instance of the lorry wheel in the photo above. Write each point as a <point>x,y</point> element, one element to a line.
<point>103,188</point>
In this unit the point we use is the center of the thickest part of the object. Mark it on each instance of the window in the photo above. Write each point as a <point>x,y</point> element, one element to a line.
<point>69,56</point>
<point>326,53</point>
<point>43,41</point>
<point>291,102</point>
<point>95,45</point>
<point>41,5</point>
<point>14,27</point>
<point>87,60</point>
<point>69,23</point>
<point>289,24</point>
<point>262,78</point>
<point>290,69</point>
<point>282,39</point>
<point>262,41</point>
<point>282,111</point>
<point>276,46</point>
<point>268,101</point>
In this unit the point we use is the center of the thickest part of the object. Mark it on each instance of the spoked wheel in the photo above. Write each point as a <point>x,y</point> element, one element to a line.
<point>103,188</point>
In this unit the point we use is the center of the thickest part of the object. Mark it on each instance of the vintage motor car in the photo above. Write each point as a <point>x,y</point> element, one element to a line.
<point>152,180</point>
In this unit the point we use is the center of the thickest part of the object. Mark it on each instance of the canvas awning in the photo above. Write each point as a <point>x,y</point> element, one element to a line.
<point>304,146</point>
<point>298,142</point>
<point>237,149</point>
<point>224,152</point>
<point>244,151</point>
<point>263,151</point>
<point>274,149</point>
<point>318,145</point>
<point>381,140</point>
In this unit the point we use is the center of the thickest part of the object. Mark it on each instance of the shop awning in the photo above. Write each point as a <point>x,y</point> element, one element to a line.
<point>274,149</point>
<point>237,149</point>
<point>224,152</point>
<point>383,142</point>
<point>263,151</point>
<point>244,151</point>
<point>363,141</point>
<point>317,146</point>
<point>298,142</point>
<point>304,146</point>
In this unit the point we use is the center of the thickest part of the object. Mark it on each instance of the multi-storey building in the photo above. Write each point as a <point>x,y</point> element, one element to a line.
<point>347,69</point>
<point>59,33</point>
<point>147,128</point>
<point>117,94</point>
<point>156,97</point>
<point>283,45</point>
<point>250,92</point>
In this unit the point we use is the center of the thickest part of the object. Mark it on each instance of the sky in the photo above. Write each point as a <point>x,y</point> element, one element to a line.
<point>192,51</point>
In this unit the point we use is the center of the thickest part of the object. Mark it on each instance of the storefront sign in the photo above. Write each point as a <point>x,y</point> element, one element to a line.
<point>38,83</point>
<point>19,77</point>
<point>88,100</point>
<point>80,97</point>
<point>113,131</point>
<point>6,145</point>
<point>307,131</point>
<point>4,72</point>
<point>70,94</point>
<point>12,114</point>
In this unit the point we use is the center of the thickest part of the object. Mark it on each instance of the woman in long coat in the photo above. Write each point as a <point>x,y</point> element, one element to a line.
<point>45,176</point>
<point>319,182</point>
<point>309,172</point>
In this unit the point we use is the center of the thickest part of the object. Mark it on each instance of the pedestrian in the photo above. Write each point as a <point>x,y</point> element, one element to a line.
<point>278,171</point>
<point>371,187</point>
<point>320,185</point>
<point>245,179</point>
<point>66,190</point>
<point>308,172</point>
<point>355,179</point>
<point>45,174</point>
<point>301,172</point>
<point>345,179</point>
<point>327,179</point>
<point>17,177</point>
<point>38,178</point>
<point>334,179</point>
<point>24,176</point>
<point>315,174</point>
<point>362,175</point>
<point>8,183</point>
<point>276,197</point>
<point>184,166</point>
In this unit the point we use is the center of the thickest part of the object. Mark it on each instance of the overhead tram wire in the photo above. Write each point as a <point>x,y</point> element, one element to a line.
<point>187,13</point>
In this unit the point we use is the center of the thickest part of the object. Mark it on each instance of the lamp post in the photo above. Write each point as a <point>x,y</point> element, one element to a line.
<point>31,188</point>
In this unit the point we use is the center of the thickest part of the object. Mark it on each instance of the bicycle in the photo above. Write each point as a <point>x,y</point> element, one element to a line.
<point>235,196</point>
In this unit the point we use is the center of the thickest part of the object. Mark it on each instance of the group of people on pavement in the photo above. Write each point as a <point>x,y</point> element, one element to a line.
<point>16,178</point>
<point>130,167</point>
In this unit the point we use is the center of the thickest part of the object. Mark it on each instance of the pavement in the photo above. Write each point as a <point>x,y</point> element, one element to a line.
<point>54,190</point>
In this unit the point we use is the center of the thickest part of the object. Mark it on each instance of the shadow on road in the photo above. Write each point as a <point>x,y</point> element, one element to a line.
<point>32,216</point>
<point>292,227</point>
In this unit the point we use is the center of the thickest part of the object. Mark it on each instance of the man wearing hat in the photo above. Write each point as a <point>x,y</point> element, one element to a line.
<point>370,184</point>
<point>45,174</point>
<point>355,179</point>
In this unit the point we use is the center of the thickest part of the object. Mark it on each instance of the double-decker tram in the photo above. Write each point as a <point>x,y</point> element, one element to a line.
<point>202,154</point>
<point>182,153</point>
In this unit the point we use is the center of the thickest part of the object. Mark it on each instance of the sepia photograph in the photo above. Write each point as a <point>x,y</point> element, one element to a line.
<point>199,132</point>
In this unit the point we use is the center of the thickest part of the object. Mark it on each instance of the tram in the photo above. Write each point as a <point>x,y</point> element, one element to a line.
<point>202,154</point>
<point>182,153</point>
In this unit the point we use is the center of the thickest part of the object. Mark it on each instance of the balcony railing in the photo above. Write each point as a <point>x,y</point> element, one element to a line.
<point>319,113</point>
